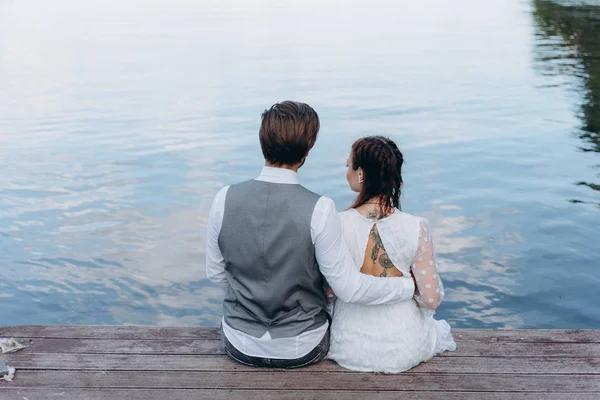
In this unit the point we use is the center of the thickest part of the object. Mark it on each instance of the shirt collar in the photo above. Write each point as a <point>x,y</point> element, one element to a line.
<point>278,175</point>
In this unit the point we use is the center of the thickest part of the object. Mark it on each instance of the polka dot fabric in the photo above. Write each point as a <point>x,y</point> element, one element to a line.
<point>429,291</point>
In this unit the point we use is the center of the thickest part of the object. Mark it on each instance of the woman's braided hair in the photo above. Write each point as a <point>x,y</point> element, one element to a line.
<point>381,162</point>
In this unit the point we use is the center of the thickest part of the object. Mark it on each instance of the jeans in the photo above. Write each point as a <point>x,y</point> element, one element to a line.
<point>317,354</point>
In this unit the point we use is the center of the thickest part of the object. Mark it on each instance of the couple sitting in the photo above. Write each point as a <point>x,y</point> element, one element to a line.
<point>280,251</point>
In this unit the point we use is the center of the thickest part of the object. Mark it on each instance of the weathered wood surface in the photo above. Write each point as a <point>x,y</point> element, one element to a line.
<point>221,363</point>
<point>162,333</point>
<point>217,394</point>
<point>83,362</point>
<point>214,347</point>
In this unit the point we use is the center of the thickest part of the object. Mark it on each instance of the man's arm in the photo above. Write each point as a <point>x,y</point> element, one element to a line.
<point>337,266</point>
<point>215,263</point>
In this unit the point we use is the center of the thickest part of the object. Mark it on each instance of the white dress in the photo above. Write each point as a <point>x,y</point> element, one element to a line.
<point>391,337</point>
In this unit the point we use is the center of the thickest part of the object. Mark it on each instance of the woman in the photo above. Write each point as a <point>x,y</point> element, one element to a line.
<point>386,242</point>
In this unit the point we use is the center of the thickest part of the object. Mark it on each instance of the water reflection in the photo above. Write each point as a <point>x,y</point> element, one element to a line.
<point>568,44</point>
<point>481,275</point>
<point>118,127</point>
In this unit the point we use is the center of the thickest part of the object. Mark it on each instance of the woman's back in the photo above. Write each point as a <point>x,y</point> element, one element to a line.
<point>396,245</point>
<point>391,337</point>
<point>397,233</point>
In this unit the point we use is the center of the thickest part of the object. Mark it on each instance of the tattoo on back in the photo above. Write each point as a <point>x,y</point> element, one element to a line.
<point>373,215</point>
<point>386,263</point>
<point>377,245</point>
<point>384,259</point>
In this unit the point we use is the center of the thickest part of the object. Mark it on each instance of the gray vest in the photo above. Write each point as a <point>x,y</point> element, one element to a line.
<point>274,280</point>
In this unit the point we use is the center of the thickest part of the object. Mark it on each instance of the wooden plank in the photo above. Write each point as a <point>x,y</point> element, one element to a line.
<point>214,347</point>
<point>462,365</point>
<point>527,335</point>
<point>124,346</point>
<point>109,332</point>
<point>187,394</point>
<point>261,379</point>
<point>509,349</point>
<point>170,333</point>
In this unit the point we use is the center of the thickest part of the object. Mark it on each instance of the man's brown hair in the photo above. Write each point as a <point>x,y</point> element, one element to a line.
<point>287,132</point>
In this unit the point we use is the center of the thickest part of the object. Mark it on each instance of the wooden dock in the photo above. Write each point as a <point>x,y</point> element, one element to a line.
<point>144,363</point>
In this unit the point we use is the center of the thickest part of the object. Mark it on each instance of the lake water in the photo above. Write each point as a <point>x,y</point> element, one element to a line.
<point>120,120</point>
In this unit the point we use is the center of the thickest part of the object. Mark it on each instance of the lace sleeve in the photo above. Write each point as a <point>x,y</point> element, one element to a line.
<point>430,292</point>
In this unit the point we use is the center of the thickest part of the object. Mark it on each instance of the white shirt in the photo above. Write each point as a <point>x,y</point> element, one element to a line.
<point>335,263</point>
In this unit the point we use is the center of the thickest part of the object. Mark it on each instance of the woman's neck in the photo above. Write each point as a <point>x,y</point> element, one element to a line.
<point>375,200</point>
<point>372,208</point>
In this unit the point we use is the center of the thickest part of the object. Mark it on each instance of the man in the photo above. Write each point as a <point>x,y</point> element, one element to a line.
<point>270,242</point>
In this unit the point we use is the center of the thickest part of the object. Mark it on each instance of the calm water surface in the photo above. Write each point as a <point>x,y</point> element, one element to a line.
<point>120,120</point>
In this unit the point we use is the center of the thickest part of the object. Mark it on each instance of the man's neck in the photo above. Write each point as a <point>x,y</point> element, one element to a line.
<point>294,167</point>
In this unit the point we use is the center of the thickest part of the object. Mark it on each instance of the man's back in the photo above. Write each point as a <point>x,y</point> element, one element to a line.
<point>274,280</point>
